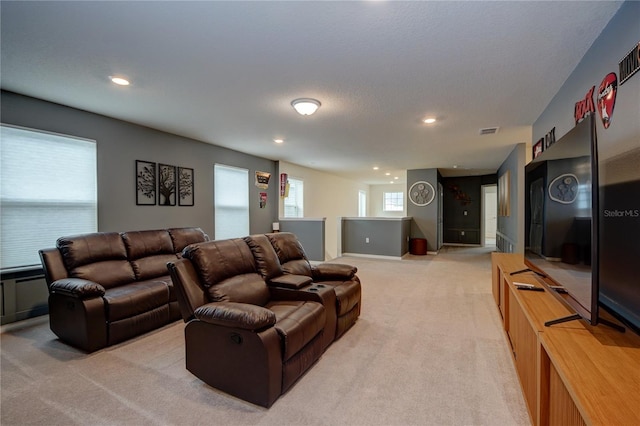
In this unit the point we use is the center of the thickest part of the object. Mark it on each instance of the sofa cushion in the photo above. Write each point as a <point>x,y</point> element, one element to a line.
<point>297,267</point>
<point>110,273</point>
<point>136,298</point>
<point>182,237</point>
<point>99,257</point>
<point>228,272</point>
<point>297,323</point>
<point>146,243</point>
<point>149,252</point>
<point>290,253</point>
<point>266,258</point>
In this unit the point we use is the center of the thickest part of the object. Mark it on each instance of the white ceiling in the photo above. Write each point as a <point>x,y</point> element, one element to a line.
<point>226,72</point>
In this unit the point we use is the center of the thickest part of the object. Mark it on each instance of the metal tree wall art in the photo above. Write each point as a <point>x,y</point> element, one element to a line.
<point>167,185</point>
<point>185,186</point>
<point>145,183</point>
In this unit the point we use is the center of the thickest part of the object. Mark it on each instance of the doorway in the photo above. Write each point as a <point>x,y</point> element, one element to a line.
<point>489,214</point>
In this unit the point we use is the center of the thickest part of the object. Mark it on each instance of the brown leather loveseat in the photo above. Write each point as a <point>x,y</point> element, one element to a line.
<point>107,287</point>
<point>252,329</point>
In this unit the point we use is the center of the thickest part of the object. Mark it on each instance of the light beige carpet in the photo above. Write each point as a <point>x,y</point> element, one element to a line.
<point>428,349</point>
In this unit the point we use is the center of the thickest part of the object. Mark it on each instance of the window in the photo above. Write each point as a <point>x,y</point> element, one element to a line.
<point>393,201</point>
<point>231,201</point>
<point>362,203</point>
<point>48,190</point>
<point>294,203</point>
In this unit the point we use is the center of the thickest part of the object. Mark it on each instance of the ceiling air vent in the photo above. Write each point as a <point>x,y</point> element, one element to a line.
<point>489,131</point>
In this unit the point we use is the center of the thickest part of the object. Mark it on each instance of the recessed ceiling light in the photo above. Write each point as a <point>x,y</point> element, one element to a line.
<point>387,174</point>
<point>119,81</point>
<point>429,120</point>
<point>278,140</point>
<point>395,177</point>
<point>375,167</point>
<point>391,181</point>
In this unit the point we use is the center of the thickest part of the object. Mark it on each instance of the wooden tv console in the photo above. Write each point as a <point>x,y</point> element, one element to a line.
<point>571,373</point>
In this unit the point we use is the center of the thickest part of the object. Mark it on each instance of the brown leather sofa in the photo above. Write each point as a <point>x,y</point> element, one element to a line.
<point>292,260</point>
<point>252,330</point>
<point>107,287</point>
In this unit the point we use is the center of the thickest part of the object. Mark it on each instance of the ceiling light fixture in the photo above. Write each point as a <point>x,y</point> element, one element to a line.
<point>119,81</point>
<point>375,167</point>
<point>278,140</point>
<point>305,106</point>
<point>430,120</point>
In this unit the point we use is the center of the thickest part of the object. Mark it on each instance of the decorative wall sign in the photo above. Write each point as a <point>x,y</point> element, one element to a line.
<point>564,189</point>
<point>421,193</point>
<point>630,64</point>
<point>167,185</point>
<point>584,106</point>
<point>185,186</point>
<point>262,179</point>
<point>538,147</point>
<point>145,183</point>
<point>550,138</point>
<point>284,178</point>
<point>607,98</point>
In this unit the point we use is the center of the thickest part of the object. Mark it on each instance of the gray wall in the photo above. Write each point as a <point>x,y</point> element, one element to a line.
<point>425,218</point>
<point>120,143</point>
<point>510,232</point>
<point>310,233</point>
<point>387,236</point>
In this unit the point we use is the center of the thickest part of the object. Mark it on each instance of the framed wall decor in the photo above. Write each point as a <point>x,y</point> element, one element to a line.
<point>166,185</point>
<point>504,201</point>
<point>185,186</point>
<point>421,193</point>
<point>538,148</point>
<point>145,183</point>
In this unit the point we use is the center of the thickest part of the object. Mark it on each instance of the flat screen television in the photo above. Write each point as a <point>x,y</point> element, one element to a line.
<point>561,231</point>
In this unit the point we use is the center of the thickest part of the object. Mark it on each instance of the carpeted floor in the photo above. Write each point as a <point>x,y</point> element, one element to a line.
<point>428,349</point>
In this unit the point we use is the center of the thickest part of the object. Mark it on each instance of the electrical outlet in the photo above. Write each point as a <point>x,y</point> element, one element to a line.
<point>366,240</point>
<point>465,212</point>
<point>461,232</point>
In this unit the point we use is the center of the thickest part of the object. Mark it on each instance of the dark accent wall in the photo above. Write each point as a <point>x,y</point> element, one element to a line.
<point>120,143</point>
<point>462,201</point>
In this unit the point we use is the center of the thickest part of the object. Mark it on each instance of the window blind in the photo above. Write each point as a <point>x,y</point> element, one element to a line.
<point>293,204</point>
<point>231,201</point>
<point>48,190</point>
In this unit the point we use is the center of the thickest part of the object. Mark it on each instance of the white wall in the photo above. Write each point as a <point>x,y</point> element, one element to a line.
<point>325,195</point>
<point>376,200</point>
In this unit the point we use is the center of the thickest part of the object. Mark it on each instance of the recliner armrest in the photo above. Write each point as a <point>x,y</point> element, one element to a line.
<point>333,271</point>
<point>240,315</point>
<point>291,281</point>
<point>77,287</point>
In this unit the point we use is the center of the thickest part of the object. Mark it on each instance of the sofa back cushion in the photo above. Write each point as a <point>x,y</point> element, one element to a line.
<point>265,256</point>
<point>227,271</point>
<point>290,253</point>
<point>100,257</point>
<point>149,252</point>
<point>182,237</point>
